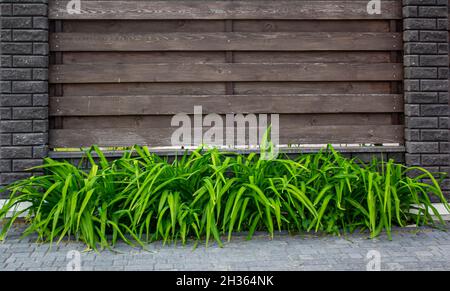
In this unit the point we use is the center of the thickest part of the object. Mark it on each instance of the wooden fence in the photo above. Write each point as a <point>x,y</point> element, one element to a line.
<point>121,69</point>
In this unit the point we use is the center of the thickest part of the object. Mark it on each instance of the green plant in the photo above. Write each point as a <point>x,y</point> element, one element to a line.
<point>142,197</point>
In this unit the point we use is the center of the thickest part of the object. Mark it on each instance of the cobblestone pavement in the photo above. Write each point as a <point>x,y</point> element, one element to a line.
<point>410,249</point>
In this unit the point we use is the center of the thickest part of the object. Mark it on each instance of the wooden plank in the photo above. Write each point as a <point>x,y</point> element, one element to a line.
<point>163,57</point>
<point>263,9</point>
<point>219,57</point>
<point>227,41</point>
<point>280,25</point>
<point>274,88</point>
<point>144,89</point>
<point>123,73</point>
<point>222,104</point>
<point>276,25</point>
<point>164,121</point>
<point>308,57</point>
<point>150,26</point>
<point>290,134</point>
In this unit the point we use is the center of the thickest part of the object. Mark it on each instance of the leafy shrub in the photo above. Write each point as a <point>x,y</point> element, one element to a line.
<point>142,197</point>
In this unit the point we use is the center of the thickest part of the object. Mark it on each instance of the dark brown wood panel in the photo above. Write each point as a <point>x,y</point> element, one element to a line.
<point>329,69</point>
<point>123,73</point>
<point>157,57</point>
<point>164,121</point>
<point>222,104</point>
<point>288,135</point>
<point>227,41</point>
<point>262,9</point>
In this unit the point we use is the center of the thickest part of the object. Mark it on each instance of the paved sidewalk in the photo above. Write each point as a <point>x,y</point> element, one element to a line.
<point>411,249</point>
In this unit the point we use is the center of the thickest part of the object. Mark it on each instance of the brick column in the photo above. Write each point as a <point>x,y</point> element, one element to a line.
<point>426,61</point>
<point>24,88</point>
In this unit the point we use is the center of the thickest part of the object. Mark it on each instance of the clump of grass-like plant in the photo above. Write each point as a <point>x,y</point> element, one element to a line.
<point>207,194</point>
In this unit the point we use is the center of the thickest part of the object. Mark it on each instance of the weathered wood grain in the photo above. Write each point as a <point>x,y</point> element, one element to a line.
<point>227,41</point>
<point>121,73</point>
<point>222,104</point>
<point>290,134</point>
<point>263,9</point>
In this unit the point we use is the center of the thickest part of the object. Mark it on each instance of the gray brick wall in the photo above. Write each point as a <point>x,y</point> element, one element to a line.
<point>425,25</point>
<point>24,88</point>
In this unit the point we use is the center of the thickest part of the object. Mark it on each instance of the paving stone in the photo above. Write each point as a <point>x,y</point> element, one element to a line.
<point>427,250</point>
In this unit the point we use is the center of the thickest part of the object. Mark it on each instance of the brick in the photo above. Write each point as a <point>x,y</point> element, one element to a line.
<point>40,99</point>
<point>442,24</point>
<point>433,36</point>
<point>421,97</point>
<point>5,9</point>
<point>40,48</point>
<point>411,61</point>
<point>5,61</point>
<point>16,100</point>
<point>40,22</point>
<point>16,126</point>
<point>30,35</point>
<point>40,74</point>
<point>421,122</point>
<point>22,165</point>
<point>419,2</point>
<point>434,110</point>
<point>5,113</point>
<point>443,122</point>
<point>434,85</point>
<point>30,9</point>
<point>443,97</point>
<point>410,11</point>
<point>30,61</point>
<point>16,48</point>
<point>16,22</point>
<point>5,166</point>
<point>40,151</point>
<point>434,134</point>
<point>420,72</point>
<point>412,159</point>
<point>443,73</point>
<point>412,134</point>
<point>444,147</point>
<point>5,139</point>
<point>5,86</point>
<point>422,147</point>
<point>40,125</point>
<point>412,110</point>
<point>419,23</point>
<point>16,74</point>
<point>411,85</point>
<point>432,160</point>
<point>412,48</point>
<point>5,35</point>
<point>434,60</point>
<point>30,138</point>
<point>30,113</point>
<point>29,87</point>
<point>442,48</point>
<point>8,178</point>
<point>12,152</point>
<point>432,11</point>
<point>411,35</point>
